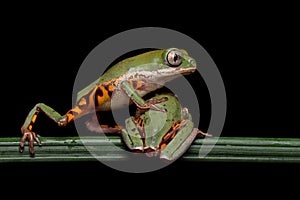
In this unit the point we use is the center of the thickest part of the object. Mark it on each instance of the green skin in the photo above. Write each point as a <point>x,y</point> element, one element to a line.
<point>157,125</point>
<point>152,68</point>
<point>150,71</point>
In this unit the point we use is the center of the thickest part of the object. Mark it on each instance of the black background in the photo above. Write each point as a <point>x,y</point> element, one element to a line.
<point>254,47</point>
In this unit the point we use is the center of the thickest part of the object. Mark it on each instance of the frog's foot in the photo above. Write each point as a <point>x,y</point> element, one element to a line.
<point>31,137</point>
<point>155,107</point>
<point>186,116</point>
<point>156,101</point>
<point>150,104</point>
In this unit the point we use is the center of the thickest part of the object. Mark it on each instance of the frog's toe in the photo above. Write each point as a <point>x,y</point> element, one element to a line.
<point>37,139</point>
<point>203,134</point>
<point>31,137</point>
<point>22,142</point>
<point>31,147</point>
<point>155,107</point>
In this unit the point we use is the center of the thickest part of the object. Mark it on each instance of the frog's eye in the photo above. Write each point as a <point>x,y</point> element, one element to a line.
<point>174,58</point>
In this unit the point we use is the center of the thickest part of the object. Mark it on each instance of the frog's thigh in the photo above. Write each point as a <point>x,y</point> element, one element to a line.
<point>181,142</point>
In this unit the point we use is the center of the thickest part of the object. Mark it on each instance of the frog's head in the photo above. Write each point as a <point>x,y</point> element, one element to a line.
<point>172,63</point>
<point>161,66</point>
<point>177,61</point>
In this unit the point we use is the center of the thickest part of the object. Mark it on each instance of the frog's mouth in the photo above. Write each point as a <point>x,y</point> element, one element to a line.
<point>186,71</point>
<point>169,74</point>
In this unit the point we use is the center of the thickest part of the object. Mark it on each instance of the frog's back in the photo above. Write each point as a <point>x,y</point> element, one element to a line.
<point>120,69</point>
<point>130,63</point>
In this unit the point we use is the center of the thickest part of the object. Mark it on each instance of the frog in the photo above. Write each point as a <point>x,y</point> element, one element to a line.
<point>166,135</point>
<point>129,80</point>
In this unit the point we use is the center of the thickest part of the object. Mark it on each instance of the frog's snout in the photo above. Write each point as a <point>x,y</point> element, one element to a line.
<point>194,68</point>
<point>193,63</point>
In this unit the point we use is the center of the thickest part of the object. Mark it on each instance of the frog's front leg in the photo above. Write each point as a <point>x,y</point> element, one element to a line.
<point>26,129</point>
<point>138,100</point>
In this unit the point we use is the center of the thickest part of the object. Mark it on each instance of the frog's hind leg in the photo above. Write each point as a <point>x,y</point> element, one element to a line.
<point>180,137</point>
<point>180,142</point>
<point>26,128</point>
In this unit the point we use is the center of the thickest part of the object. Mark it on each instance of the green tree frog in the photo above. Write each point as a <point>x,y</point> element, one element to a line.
<point>130,78</point>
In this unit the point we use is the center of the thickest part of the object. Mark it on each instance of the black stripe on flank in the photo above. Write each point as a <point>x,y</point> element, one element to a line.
<point>108,91</point>
<point>98,92</point>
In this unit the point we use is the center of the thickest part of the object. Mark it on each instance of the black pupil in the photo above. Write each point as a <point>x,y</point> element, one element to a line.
<point>175,58</point>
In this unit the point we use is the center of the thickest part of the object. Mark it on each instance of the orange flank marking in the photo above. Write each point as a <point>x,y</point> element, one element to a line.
<point>176,126</point>
<point>101,99</point>
<point>166,136</point>
<point>33,118</point>
<point>70,117</point>
<point>163,145</point>
<point>30,127</point>
<point>139,121</point>
<point>173,135</point>
<point>111,88</point>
